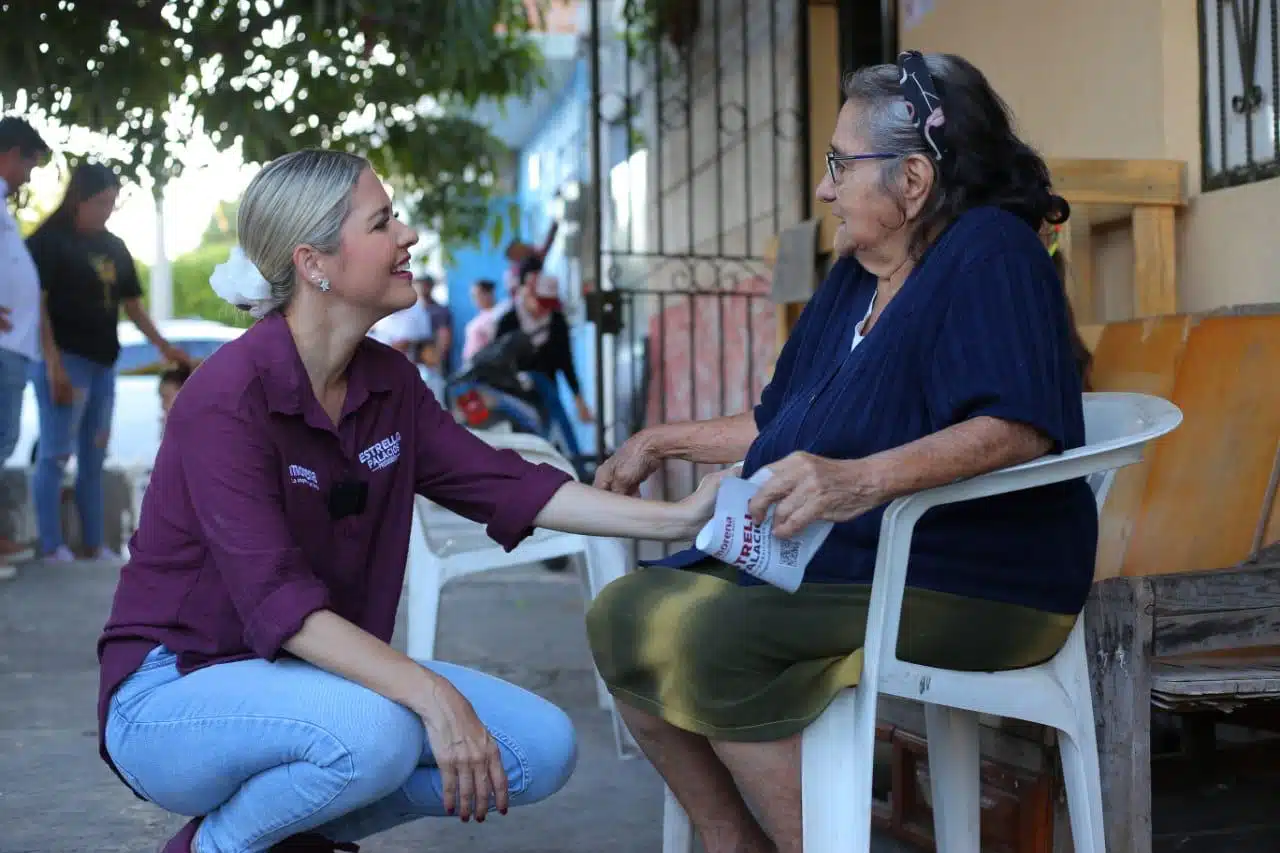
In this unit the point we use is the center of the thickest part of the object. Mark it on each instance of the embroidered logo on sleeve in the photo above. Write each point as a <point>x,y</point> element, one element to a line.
<point>300,476</point>
<point>380,455</point>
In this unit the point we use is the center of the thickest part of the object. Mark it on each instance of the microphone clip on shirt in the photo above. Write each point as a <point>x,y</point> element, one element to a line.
<point>347,497</point>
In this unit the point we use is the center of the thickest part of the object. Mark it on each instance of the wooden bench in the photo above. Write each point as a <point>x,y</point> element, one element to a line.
<point>1137,626</point>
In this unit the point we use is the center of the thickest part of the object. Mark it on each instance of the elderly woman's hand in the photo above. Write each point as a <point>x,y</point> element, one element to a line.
<point>629,466</point>
<point>805,488</point>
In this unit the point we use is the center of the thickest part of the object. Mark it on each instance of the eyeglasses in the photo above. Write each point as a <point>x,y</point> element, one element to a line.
<point>834,159</point>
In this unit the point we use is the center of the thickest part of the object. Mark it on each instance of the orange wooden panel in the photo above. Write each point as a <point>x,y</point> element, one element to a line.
<point>1206,480</point>
<point>1140,356</point>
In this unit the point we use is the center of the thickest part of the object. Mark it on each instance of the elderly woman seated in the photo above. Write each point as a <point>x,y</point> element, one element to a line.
<point>939,347</point>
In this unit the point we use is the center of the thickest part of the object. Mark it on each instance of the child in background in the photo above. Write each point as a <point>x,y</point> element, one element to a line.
<point>171,381</point>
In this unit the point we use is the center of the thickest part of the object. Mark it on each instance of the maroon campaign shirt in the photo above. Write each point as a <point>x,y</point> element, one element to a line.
<point>236,546</point>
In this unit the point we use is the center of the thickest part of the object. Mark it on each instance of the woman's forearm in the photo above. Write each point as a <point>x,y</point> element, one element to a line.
<point>576,508</point>
<point>968,449</point>
<point>718,441</point>
<point>137,313</point>
<point>48,346</point>
<point>333,644</point>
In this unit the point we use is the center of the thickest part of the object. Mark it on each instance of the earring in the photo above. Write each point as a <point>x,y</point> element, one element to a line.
<point>323,284</point>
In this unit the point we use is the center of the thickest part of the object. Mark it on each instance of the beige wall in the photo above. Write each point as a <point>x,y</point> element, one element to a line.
<point>1099,78</point>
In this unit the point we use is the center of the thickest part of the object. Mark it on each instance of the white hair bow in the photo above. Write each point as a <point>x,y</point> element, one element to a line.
<point>239,282</point>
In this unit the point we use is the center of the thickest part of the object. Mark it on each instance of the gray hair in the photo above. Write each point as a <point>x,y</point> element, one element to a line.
<point>304,197</point>
<point>989,164</point>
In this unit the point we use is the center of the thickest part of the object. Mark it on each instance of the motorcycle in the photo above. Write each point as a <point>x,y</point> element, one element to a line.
<point>492,392</point>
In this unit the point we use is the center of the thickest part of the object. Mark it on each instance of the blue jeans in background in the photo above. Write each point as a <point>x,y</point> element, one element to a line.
<point>82,429</point>
<point>549,391</point>
<point>269,750</point>
<point>13,381</point>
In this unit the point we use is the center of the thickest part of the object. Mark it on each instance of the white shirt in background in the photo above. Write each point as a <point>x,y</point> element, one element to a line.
<point>19,286</point>
<point>408,324</point>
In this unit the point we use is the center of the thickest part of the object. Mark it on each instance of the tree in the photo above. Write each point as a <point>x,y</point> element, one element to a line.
<point>389,79</point>
<point>222,225</point>
<point>192,295</point>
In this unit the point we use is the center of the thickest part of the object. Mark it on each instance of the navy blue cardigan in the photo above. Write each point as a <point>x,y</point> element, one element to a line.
<point>979,328</point>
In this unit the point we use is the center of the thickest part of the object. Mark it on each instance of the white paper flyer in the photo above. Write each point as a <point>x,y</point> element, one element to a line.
<point>732,537</point>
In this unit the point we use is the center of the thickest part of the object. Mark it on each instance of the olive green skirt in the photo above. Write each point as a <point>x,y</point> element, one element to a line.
<point>754,663</point>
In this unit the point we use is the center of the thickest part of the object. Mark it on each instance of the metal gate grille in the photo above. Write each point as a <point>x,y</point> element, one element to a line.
<point>699,156</point>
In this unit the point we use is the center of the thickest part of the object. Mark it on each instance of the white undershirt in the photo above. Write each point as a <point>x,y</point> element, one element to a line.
<point>19,286</point>
<point>858,334</point>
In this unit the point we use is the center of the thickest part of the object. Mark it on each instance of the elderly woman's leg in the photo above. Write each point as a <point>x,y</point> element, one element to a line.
<point>716,680</point>
<point>701,783</point>
<point>768,774</point>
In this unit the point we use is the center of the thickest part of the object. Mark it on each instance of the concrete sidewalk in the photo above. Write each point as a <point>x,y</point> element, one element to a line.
<point>524,625</point>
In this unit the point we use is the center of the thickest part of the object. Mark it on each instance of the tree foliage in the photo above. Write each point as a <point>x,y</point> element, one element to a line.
<point>390,79</point>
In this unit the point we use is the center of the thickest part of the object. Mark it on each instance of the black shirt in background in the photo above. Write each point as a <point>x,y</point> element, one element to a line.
<point>554,356</point>
<point>85,277</point>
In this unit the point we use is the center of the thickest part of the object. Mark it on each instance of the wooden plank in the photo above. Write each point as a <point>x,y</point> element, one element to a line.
<point>1200,612</point>
<point>1140,356</point>
<point>1118,638</point>
<point>1091,334</point>
<point>1120,182</point>
<point>1243,585</point>
<point>1180,679</point>
<point>1269,518</point>
<point>1207,478</point>
<point>1077,243</point>
<point>1155,262</point>
<point>824,105</point>
<point>1206,632</point>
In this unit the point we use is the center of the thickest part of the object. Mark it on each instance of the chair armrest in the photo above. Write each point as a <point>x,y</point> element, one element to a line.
<point>898,525</point>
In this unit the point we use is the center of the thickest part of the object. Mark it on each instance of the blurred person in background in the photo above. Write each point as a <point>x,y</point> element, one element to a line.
<point>538,314</point>
<point>436,353</point>
<point>87,275</point>
<point>405,330</point>
<point>522,257</point>
<point>481,329</point>
<point>21,325</point>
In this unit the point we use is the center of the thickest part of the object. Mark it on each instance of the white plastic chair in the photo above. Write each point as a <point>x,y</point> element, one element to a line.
<point>444,546</point>
<point>837,748</point>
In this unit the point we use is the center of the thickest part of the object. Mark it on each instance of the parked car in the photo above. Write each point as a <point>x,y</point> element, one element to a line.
<point>135,426</point>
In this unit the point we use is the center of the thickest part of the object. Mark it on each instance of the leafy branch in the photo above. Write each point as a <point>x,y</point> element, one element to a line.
<point>390,79</point>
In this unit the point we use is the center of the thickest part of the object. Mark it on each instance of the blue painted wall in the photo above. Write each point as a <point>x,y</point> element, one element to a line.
<point>561,149</point>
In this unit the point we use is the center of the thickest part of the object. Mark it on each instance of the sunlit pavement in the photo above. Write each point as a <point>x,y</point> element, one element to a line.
<point>523,624</point>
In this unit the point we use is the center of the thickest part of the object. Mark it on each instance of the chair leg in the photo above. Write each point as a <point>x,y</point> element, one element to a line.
<point>677,830</point>
<point>837,751</point>
<point>589,568</point>
<point>425,580</point>
<point>955,778</point>
<point>1083,778</point>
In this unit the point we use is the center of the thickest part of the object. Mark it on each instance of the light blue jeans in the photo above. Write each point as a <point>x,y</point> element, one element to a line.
<point>270,750</point>
<point>13,381</point>
<point>549,390</point>
<point>82,428</point>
